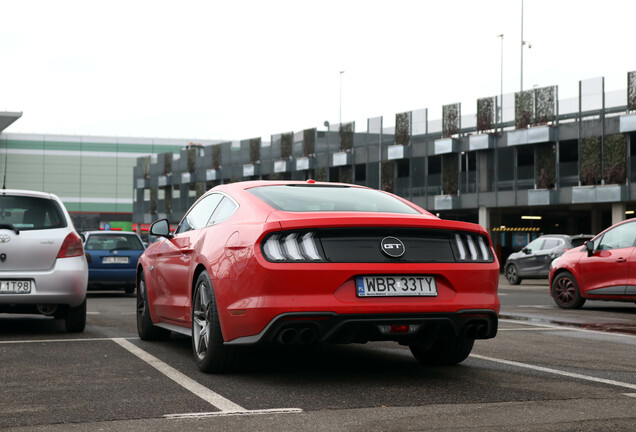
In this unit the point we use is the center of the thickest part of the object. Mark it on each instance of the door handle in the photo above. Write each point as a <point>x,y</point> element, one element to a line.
<point>620,259</point>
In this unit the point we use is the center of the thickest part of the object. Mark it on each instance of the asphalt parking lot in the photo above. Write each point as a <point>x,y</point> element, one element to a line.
<point>547,369</point>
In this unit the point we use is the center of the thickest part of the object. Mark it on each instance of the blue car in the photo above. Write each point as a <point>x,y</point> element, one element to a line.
<point>112,259</point>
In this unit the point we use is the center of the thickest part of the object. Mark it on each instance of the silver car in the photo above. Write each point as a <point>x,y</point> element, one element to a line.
<point>533,261</point>
<point>43,269</point>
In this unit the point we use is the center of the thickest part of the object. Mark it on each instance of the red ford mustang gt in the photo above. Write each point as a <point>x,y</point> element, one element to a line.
<point>291,262</point>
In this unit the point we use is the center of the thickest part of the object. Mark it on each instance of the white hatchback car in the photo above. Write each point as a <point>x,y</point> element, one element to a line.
<point>43,269</point>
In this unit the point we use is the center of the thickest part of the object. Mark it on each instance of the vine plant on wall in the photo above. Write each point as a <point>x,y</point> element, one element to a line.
<point>286,145</point>
<point>167,163</point>
<point>145,165</point>
<point>631,91</point>
<point>403,128</point>
<point>546,171</point>
<point>449,174</point>
<point>346,136</point>
<point>255,150</point>
<point>544,105</point>
<point>485,114</point>
<point>388,172</point>
<point>216,156</point>
<point>309,142</point>
<point>590,161</point>
<point>615,159</point>
<point>450,120</point>
<point>523,109</point>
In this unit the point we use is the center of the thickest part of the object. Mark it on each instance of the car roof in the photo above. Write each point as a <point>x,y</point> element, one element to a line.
<point>30,193</point>
<point>109,232</point>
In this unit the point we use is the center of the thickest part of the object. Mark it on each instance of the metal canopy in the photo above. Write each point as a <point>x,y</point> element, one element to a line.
<point>7,118</point>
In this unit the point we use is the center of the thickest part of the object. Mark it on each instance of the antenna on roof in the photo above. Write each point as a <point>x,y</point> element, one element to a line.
<point>6,156</point>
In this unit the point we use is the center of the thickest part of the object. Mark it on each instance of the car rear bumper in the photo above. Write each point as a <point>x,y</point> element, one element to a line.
<point>64,284</point>
<point>305,328</point>
<point>112,276</point>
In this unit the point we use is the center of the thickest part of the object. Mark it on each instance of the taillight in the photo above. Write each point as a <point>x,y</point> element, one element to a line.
<point>292,247</point>
<point>71,247</point>
<point>472,247</point>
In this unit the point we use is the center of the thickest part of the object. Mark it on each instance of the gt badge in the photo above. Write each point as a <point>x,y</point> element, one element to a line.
<point>392,247</point>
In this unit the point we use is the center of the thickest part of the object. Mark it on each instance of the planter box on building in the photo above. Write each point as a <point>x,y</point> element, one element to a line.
<point>533,135</point>
<point>446,202</point>
<point>142,183</point>
<point>602,193</point>
<point>445,145</point>
<point>250,170</point>
<point>341,159</point>
<point>185,177</point>
<point>305,163</point>
<point>212,175</point>
<point>539,197</point>
<point>164,180</point>
<point>398,151</point>
<point>481,142</point>
<point>627,123</point>
<point>281,166</point>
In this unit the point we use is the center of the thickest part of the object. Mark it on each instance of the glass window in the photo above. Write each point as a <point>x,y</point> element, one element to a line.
<point>551,243</point>
<point>30,213</point>
<point>113,241</point>
<point>224,210</point>
<point>620,237</point>
<point>200,213</point>
<point>535,245</point>
<point>301,198</point>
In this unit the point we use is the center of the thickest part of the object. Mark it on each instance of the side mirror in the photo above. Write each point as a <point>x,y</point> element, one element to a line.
<point>589,245</point>
<point>526,251</point>
<point>83,237</point>
<point>161,228</point>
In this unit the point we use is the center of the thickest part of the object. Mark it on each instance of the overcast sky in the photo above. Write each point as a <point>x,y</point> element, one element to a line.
<point>243,69</point>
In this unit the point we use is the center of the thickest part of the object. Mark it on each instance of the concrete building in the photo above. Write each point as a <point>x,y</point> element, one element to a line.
<point>527,163</point>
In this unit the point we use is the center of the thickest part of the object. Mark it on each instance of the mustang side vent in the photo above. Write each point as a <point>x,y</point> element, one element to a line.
<point>472,248</point>
<point>291,247</point>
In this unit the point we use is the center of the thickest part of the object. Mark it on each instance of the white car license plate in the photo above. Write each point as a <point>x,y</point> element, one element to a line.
<point>15,287</point>
<point>396,286</point>
<point>115,260</point>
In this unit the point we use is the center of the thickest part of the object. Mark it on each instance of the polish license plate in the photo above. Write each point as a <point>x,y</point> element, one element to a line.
<point>396,286</point>
<point>15,287</point>
<point>115,260</point>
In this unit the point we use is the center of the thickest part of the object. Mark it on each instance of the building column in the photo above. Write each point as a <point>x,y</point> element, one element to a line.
<point>484,217</point>
<point>618,212</point>
<point>597,221</point>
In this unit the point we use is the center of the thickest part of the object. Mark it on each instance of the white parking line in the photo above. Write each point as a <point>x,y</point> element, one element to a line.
<point>184,381</point>
<point>556,372</point>
<point>55,340</point>
<point>566,328</point>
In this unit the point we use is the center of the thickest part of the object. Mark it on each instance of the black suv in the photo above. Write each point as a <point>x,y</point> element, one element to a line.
<point>533,261</point>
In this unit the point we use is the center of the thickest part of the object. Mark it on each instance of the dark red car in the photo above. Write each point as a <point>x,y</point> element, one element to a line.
<point>603,269</point>
<point>266,262</point>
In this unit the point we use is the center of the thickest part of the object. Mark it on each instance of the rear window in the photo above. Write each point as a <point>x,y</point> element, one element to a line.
<point>113,241</point>
<point>30,213</point>
<point>309,198</point>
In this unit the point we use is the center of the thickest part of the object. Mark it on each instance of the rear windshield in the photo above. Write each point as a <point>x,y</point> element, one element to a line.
<point>30,213</point>
<point>113,241</point>
<point>306,198</point>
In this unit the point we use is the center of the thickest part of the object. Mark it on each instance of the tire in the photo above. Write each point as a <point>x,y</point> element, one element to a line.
<point>565,292</point>
<point>75,319</point>
<point>512,275</point>
<point>145,328</point>
<point>210,354</point>
<point>443,351</point>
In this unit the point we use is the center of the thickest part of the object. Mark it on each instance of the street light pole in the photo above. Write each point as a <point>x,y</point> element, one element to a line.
<point>341,72</point>
<point>522,43</point>
<point>500,110</point>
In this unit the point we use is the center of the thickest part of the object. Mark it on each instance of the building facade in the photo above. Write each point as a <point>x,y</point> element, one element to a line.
<point>525,164</point>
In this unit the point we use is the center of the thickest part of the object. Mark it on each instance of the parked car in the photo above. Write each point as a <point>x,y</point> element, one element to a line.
<point>112,259</point>
<point>265,262</point>
<point>533,261</point>
<point>42,264</point>
<point>598,271</point>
